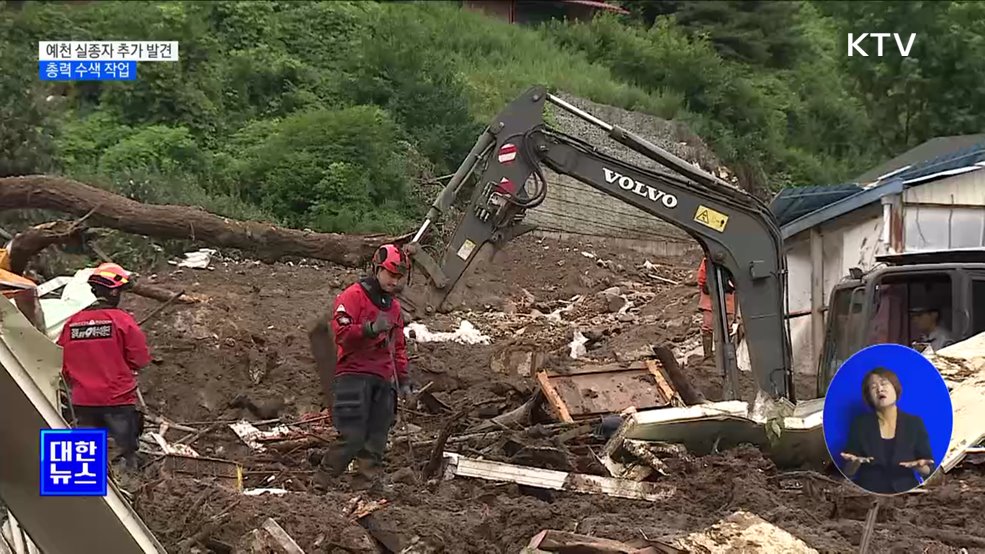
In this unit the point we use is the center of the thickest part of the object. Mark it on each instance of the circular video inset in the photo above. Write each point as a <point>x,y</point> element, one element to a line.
<point>887,419</point>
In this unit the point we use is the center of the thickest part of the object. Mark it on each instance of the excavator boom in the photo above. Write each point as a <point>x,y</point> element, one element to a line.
<point>737,231</point>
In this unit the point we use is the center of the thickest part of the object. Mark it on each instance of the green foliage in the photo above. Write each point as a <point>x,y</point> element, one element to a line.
<point>155,149</point>
<point>329,169</point>
<point>776,126</point>
<point>395,69</point>
<point>758,32</point>
<point>934,91</point>
<point>84,139</point>
<point>499,61</point>
<point>26,127</point>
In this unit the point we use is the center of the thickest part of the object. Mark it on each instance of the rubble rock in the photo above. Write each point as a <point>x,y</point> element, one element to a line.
<point>586,281</point>
<point>615,303</point>
<point>404,475</point>
<point>611,291</point>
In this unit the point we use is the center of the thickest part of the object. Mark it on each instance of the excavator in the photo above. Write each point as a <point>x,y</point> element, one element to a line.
<point>737,232</point>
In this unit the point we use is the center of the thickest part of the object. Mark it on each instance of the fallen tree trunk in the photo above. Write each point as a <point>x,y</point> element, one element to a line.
<point>31,241</point>
<point>268,242</point>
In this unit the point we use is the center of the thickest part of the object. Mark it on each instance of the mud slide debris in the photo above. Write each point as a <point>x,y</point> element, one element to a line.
<point>235,379</point>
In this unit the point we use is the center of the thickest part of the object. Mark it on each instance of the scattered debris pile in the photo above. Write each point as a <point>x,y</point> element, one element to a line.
<point>532,430</point>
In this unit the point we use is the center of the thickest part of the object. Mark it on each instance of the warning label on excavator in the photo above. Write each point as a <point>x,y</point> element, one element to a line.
<point>711,218</point>
<point>466,249</point>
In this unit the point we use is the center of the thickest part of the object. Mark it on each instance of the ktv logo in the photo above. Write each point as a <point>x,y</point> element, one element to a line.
<point>855,43</point>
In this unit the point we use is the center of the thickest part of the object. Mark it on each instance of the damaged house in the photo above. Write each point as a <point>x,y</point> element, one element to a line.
<point>931,198</point>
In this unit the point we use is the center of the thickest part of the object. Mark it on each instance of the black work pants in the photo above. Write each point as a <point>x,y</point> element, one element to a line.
<point>363,411</point>
<point>122,424</point>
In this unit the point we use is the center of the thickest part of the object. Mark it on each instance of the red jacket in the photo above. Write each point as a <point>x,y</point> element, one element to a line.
<point>704,299</point>
<point>384,355</point>
<point>101,350</point>
<point>703,279</point>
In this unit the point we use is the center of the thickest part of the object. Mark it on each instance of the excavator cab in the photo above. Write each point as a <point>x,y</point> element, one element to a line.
<point>882,306</point>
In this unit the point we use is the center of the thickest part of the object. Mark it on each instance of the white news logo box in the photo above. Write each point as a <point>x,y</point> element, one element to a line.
<point>109,51</point>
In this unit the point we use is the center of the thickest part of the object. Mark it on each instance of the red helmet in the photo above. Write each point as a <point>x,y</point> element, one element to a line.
<point>392,259</point>
<point>110,275</point>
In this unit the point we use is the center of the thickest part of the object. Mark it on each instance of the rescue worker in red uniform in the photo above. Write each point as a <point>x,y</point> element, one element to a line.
<point>103,348</point>
<point>704,305</point>
<point>371,367</point>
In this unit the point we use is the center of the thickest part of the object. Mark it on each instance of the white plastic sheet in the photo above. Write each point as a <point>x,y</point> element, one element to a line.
<point>465,334</point>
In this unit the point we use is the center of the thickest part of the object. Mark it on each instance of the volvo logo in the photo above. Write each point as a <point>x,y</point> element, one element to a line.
<point>640,189</point>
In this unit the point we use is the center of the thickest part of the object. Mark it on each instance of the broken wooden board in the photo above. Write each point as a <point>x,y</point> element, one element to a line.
<point>461,466</point>
<point>551,540</point>
<point>722,425</point>
<point>282,541</point>
<point>595,390</point>
<point>358,507</point>
<point>743,532</point>
<point>392,539</point>
<point>519,360</point>
<point>253,437</point>
<point>226,473</point>
<point>271,538</point>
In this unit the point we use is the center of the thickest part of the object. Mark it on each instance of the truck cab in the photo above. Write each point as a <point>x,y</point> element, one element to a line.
<point>874,307</point>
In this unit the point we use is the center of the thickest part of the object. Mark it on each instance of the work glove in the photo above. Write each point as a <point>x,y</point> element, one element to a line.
<point>406,393</point>
<point>406,389</point>
<point>382,324</point>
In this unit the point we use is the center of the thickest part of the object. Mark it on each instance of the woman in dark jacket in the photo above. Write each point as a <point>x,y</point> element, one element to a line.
<point>885,447</point>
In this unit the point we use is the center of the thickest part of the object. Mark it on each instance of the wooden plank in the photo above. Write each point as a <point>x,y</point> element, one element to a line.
<point>609,392</point>
<point>285,544</point>
<point>563,541</point>
<point>597,368</point>
<point>662,385</point>
<point>227,473</point>
<point>870,528</point>
<point>553,398</point>
<point>558,480</point>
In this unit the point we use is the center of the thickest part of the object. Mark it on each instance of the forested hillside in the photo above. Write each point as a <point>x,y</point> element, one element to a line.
<point>330,115</point>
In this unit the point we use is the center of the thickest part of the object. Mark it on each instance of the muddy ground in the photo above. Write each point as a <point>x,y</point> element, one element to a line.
<point>243,353</point>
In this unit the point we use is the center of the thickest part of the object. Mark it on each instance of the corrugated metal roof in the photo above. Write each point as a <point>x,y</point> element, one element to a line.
<point>795,202</point>
<point>841,207</point>
<point>967,159</point>
<point>971,158</point>
<point>933,148</point>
